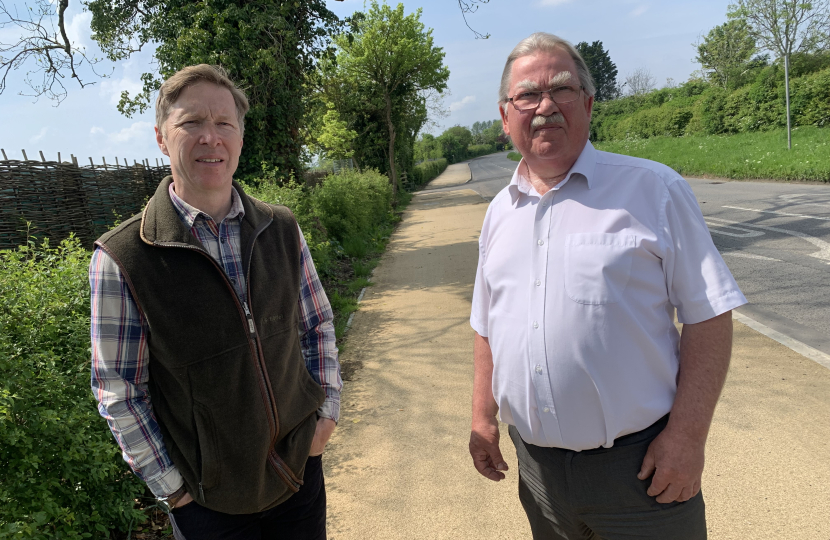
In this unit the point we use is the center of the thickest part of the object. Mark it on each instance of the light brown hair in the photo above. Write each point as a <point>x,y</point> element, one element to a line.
<point>173,86</point>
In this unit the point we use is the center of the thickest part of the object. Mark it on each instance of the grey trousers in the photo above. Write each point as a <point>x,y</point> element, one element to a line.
<point>596,495</point>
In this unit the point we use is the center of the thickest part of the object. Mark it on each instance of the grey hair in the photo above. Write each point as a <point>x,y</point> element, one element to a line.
<point>544,42</point>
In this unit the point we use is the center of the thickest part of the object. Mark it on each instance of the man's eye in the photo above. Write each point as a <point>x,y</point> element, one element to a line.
<point>563,90</point>
<point>527,95</point>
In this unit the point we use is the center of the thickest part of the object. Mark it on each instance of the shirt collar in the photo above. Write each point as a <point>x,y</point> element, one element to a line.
<point>583,166</point>
<point>188,213</point>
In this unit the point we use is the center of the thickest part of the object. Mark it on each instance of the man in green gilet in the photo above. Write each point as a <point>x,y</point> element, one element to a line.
<point>213,353</point>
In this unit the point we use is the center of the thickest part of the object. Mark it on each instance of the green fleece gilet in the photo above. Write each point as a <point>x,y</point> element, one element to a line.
<point>231,392</point>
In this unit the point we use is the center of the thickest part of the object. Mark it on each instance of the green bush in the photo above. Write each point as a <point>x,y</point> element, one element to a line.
<point>426,171</point>
<point>475,150</point>
<point>810,99</point>
<point>61,474</point>
<point>351,203</point>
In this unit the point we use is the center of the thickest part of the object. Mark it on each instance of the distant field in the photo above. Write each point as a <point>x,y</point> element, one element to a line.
<point>762,155</point>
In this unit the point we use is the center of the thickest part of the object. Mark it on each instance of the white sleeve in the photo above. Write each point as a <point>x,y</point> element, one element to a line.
<point>481,294</point>
<point>699,284</point>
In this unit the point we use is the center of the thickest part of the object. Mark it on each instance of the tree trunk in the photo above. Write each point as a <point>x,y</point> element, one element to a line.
<point>787,97</point>
<point>393,176</point>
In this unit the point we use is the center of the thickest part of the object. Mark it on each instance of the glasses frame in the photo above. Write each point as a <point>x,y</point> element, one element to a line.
<point>550,96</point>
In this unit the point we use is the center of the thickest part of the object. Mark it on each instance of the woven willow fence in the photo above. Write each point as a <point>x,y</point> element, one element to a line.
<point>49,199</point>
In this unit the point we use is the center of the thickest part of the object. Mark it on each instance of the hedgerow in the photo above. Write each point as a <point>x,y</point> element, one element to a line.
<point>61,474</point>
<point>698,108</point>
<point>426,171</point>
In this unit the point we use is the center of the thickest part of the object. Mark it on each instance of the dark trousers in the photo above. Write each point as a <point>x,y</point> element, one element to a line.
<point>596,495</point>
<point>302,517</point>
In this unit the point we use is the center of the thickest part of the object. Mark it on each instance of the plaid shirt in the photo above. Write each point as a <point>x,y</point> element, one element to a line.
<point>120,356</point>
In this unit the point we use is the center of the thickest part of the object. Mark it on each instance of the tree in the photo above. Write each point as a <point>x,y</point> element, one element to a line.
<point>602,69</point>
<point>42,45</point>
<point>785,27</point>
<point>427,148</point>
<point>335,137</point>
<point>640,82</point>
<point>267,47</point>
<point>725,52</point>
<point>392,60</point>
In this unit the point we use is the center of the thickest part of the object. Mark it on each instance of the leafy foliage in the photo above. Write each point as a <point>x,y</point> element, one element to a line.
<point>267,47</point>
<point>380,83</point>
<point>61,475</point>
<point>603,70</point>
<point>725,53</point>
<point>426,171</point>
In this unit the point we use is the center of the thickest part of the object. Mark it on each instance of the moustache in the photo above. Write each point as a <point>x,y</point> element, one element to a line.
<point>539,120</point>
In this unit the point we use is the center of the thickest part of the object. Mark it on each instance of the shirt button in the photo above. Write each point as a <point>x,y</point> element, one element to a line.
<point>541,242</point>
<point>222,239</point>
<point>538,369</point>
<point>535,324</point>
<point>546,409</point>
<point>538,283</point>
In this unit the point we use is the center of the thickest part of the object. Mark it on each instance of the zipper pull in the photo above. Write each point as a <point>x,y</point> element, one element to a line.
<point>249,317</point>
<point>201,493</point>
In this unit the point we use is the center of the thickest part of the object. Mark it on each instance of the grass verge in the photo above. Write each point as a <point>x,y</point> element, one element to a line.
<point>351,271</point>
<point>515,156</point>
<point>757,155</point>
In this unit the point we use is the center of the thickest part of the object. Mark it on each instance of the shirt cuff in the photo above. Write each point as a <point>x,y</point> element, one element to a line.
<point>166,483</point>
<point>330,409</point>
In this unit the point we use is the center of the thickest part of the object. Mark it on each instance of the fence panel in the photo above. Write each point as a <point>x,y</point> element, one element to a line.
<point>51,199</point>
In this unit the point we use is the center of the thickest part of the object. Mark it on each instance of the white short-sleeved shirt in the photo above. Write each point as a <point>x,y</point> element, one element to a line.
<point>576,291</point>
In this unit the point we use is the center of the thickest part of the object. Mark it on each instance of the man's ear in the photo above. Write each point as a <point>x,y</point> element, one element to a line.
<point>160,142</point>
<point>503,114</point>
<point>589,106</point>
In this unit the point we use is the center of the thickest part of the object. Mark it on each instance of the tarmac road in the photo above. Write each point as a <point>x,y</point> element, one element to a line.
<point>775,238</point>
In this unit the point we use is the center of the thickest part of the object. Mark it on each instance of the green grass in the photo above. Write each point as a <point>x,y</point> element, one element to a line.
<point>515,156</point>
<point>757,155</point>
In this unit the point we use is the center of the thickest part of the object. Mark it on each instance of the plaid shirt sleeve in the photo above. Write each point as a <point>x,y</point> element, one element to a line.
<point>119,376</point>
<point>317,335</point>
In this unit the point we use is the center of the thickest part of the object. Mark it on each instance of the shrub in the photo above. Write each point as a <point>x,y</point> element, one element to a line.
<point>426,171</point>
<point>61,475</point>
<point>297,198</point>
<point>810,99</point>
<point>352,202</point>
<point>475,150</point>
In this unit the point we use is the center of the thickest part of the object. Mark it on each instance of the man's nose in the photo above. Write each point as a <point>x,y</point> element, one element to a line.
<point>547,106</point>
<point>209,135</point>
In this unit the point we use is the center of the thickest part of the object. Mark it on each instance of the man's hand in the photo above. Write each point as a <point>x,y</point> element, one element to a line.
<point>325,427</point>
<point>484,448</point>
<point>484,436</point>
<point>677,465</point>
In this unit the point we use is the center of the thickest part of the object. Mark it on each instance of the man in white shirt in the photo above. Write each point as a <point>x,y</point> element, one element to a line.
<point>584,259</point>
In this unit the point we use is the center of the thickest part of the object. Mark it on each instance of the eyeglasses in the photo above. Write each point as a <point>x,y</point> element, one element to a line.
<point>526,101</point>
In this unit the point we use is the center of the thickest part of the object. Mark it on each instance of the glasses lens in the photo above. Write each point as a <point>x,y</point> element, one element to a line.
<point>564,94</point>
<point>526,100</point>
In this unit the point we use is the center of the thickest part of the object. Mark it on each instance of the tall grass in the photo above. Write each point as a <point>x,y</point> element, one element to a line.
<point>754,155</point>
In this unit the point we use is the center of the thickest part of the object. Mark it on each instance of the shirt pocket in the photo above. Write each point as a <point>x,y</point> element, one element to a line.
<point>597,266</point>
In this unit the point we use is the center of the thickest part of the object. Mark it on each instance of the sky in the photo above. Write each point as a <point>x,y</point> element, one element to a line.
<point>657,35</point>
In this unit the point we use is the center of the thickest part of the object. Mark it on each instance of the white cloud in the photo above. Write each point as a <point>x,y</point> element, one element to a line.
<point>78,30</point>
<point>639,11</point>
<point>41,134</point>
<point>111,89</point>
<point>137,132</point>
<point>458,105</point>
<point>553,2</point>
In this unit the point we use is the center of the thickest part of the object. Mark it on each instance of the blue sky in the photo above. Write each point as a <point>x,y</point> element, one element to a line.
<point>657,35</point>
